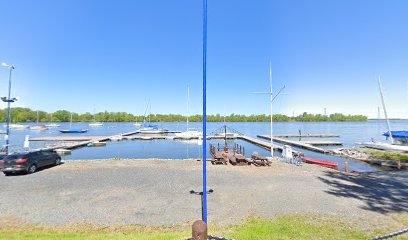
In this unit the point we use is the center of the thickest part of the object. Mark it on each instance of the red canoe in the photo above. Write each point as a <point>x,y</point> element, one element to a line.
<point>320,162</point>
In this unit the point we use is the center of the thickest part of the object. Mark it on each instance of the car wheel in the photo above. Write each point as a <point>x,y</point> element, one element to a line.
<point>57,161</point>
<point>32,169</point>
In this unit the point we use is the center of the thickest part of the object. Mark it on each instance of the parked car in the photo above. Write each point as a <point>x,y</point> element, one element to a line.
<point>28,162</point>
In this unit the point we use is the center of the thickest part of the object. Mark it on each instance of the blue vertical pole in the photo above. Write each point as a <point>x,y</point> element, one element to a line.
<point>8,111</point>
<point>205,111</point>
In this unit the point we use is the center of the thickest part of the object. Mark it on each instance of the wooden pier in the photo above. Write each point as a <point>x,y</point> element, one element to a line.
<point>266,145</point>
<point>308,145</point>
<point>81,141</point>
<point>307,136</point>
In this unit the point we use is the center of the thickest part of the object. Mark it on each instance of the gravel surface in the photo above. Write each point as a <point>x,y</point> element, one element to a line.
<point>156,192</point>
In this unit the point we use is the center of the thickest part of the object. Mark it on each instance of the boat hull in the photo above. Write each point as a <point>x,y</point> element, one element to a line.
<point>322,163</point>
<point>74,131</point>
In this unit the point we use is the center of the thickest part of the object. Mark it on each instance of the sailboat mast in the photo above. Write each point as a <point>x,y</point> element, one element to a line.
<point>188,100</point>
<point>385,110</point>
<point>271,95</point>
<point>70,123</point>
<point>38,116</point>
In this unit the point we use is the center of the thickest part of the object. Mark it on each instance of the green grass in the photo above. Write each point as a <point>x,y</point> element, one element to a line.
<point>382,155</point>
<point>282,227</point>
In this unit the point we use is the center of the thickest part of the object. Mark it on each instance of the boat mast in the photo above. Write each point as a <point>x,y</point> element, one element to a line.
<point>188,100</point>
<point>385,110</point>
<point>271,96</point>
<point>70,123</point>
<point>38,116</point>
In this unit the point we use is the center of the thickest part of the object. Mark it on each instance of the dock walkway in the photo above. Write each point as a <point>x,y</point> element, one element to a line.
<point>263,144</point>
<point>305,145</point>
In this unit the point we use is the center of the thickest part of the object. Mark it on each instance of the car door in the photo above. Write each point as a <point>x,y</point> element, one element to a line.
<point>46,157</point>
<point>40,159</point>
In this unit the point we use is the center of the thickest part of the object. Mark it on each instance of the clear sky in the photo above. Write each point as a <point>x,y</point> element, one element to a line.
<point>82,55</point>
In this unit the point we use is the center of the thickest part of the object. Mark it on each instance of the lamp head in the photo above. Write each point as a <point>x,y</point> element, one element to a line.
<point>7,65</point>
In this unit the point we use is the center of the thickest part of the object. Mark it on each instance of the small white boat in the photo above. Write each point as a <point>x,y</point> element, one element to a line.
<point>150,130</point>
<point>137,124</point>
<point>96,124</point>
<point>384,146</point>
<point>17,126</point>
<point>52,125</point>
<point>39,128</point>
<point>191,134</point>
<point>391,146</point>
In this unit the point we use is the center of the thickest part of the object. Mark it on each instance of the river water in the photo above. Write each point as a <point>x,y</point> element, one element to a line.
<point>350,133</point>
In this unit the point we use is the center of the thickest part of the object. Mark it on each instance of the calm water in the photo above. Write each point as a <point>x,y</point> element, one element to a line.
<point>350,132</point>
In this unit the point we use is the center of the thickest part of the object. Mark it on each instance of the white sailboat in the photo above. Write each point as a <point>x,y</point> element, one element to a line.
<point>150,129</point>
<point>52,125</point>
<point>391,146</point>
<point>189,133</point>
<point>38,127</point>
<point>17,126</point>
<point>137,124</point>
<point>95,123</point>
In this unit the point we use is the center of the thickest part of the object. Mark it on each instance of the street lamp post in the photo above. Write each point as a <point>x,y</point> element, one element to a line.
<point>8,100</point>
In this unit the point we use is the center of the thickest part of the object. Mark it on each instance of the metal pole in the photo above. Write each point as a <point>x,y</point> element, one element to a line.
<point>270,90</point>
<point>385,110</point>
<point>204,211</point>
<point>8,111</point>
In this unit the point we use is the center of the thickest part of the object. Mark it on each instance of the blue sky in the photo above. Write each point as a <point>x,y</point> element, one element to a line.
<point>115,55</point>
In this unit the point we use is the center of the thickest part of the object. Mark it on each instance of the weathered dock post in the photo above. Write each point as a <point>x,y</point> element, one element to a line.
<point>346,167</point>
<point>199,230</point>
<point>399,164</point>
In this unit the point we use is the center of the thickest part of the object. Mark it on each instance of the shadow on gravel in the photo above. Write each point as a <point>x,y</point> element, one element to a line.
<point>38,170</point>
<point>383,192</point>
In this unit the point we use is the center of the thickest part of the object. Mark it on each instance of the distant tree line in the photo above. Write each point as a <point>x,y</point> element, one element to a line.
<point>28,115</point>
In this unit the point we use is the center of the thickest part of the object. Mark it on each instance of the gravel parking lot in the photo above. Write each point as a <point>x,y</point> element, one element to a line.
<point>156,192</point>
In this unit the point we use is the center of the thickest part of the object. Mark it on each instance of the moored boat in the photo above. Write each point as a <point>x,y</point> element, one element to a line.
<point>74,130</point>
<point>96,124</point>
<point>39,128</point>
<point>322,163</point>
<point>17,126</point>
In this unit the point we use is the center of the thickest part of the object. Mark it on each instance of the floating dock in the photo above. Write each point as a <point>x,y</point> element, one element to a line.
<point>308,145</point>
<point>266,145</point>
<point>307,136</point>
<point>81,141</point>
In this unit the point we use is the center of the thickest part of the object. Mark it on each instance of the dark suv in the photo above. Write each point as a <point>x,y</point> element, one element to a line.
<point>28,162</point>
